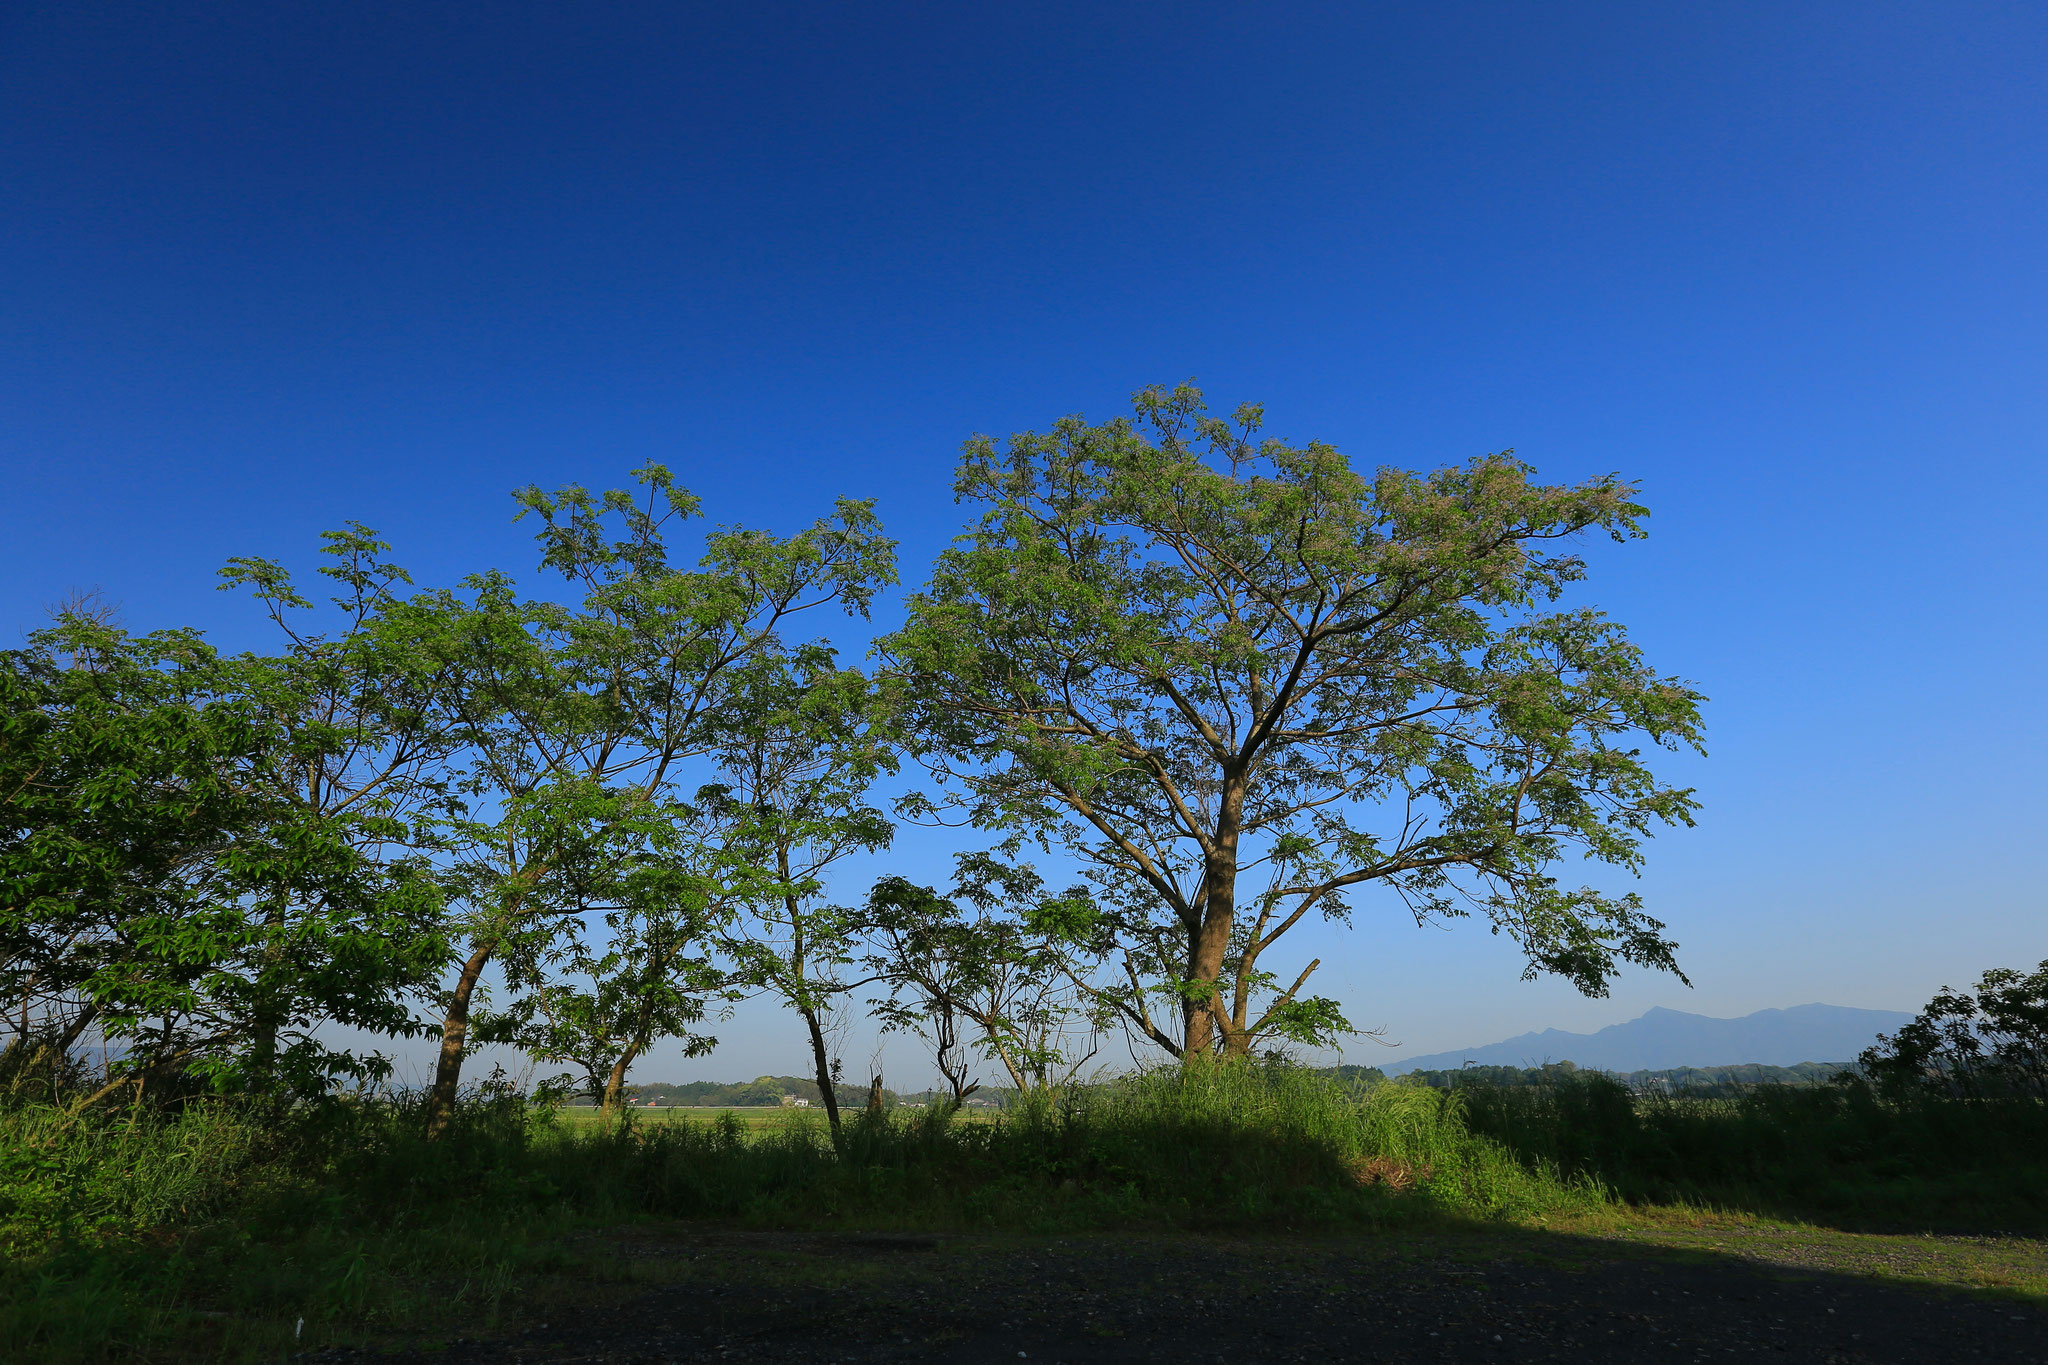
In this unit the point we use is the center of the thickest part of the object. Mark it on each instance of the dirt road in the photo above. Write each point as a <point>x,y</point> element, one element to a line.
<point>675,1293</point>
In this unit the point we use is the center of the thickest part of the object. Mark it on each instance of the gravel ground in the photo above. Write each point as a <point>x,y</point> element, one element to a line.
<point>684,1294</point>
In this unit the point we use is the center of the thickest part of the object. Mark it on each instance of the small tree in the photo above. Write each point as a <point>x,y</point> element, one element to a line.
<point>640,974</point>
<point>1990,1044</point>
<point>1188,656</point>
<point>992,966</point>
<point>799,750</point>
<point>927,953</point>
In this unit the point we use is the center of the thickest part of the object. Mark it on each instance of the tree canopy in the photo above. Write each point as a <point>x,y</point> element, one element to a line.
<point>1184,654</point>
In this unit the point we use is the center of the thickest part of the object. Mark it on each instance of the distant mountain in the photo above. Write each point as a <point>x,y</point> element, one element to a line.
<point>1665,1038</point>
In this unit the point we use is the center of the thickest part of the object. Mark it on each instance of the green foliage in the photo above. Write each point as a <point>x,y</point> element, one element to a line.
<point>1143,1146</point>
<point>1002,963</point>
<point>217,1234</point>
<point>168,889</point>
<point>798,749</point>
<point>1182,652</point>
<point>1188,654</point>
<point>69,1177</point>
<point>1992,1044</point>
<point>577,724</point>
<point>1354,1079</point>
<point>598,1004</point>
<point>218,1227</point>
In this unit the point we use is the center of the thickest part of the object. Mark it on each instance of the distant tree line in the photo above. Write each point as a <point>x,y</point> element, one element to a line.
<point>1986,1044</point>
<point>1700,1081</point>
<point>1232,681</point>
<point>1703,1082</point>
<point>761,1092</point>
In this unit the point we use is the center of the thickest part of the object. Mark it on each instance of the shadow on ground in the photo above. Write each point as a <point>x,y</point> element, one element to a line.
<point>681,1292</point>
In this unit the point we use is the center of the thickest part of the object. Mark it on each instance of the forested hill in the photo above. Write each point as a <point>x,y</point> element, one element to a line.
<point>1664,1039</point>
<point>1691,1080</point>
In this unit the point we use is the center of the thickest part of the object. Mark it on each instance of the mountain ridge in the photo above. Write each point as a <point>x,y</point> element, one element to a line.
<point>1662,1038</point>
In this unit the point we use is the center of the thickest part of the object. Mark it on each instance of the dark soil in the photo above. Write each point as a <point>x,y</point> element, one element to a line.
<point>683,1294</point>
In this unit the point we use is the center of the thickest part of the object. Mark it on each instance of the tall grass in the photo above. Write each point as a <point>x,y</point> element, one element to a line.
<point>1841,1153</point>
<point>220,1233</point>
<point>63,1176</point>
<point>1207,1147</point>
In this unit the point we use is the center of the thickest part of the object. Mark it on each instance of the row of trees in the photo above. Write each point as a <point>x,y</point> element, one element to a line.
<point>1230,680</point>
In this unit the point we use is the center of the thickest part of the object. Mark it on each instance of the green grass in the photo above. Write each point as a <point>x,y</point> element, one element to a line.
<point>1837,1154</point>
<point>211,1234</point>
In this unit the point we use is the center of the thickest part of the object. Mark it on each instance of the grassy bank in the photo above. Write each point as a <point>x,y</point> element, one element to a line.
<point>216,1234</point>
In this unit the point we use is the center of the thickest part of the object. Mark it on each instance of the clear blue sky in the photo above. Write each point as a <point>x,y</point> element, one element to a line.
<point>267,267</point>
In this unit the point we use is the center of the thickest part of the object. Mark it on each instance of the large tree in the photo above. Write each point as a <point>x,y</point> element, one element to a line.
<point>364,728</point>
<point>1240,680</point>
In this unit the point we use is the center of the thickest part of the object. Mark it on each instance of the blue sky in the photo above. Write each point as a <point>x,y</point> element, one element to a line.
<point>263,268</point>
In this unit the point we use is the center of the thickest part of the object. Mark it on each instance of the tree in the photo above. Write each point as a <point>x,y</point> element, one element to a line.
<point>1990,1044</point>
<point>1186,656</point>
<point>160,888</point>
<point>601,1002</point>
<point>365,728</point>
<point>800,748</point>
<point>579,722</point>
<point>992,966</point>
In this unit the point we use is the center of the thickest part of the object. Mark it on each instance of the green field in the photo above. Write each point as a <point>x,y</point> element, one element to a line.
<point>751,1115</point>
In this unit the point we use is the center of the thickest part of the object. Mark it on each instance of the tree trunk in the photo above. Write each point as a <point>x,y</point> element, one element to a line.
<point>615,1084</point>
<point>268,1014</point>
<point>1020,1079</point>
<point>824,1072</point>
<point>454,1032</point>
<point>875,1098</point>
<point>1208,943</point>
